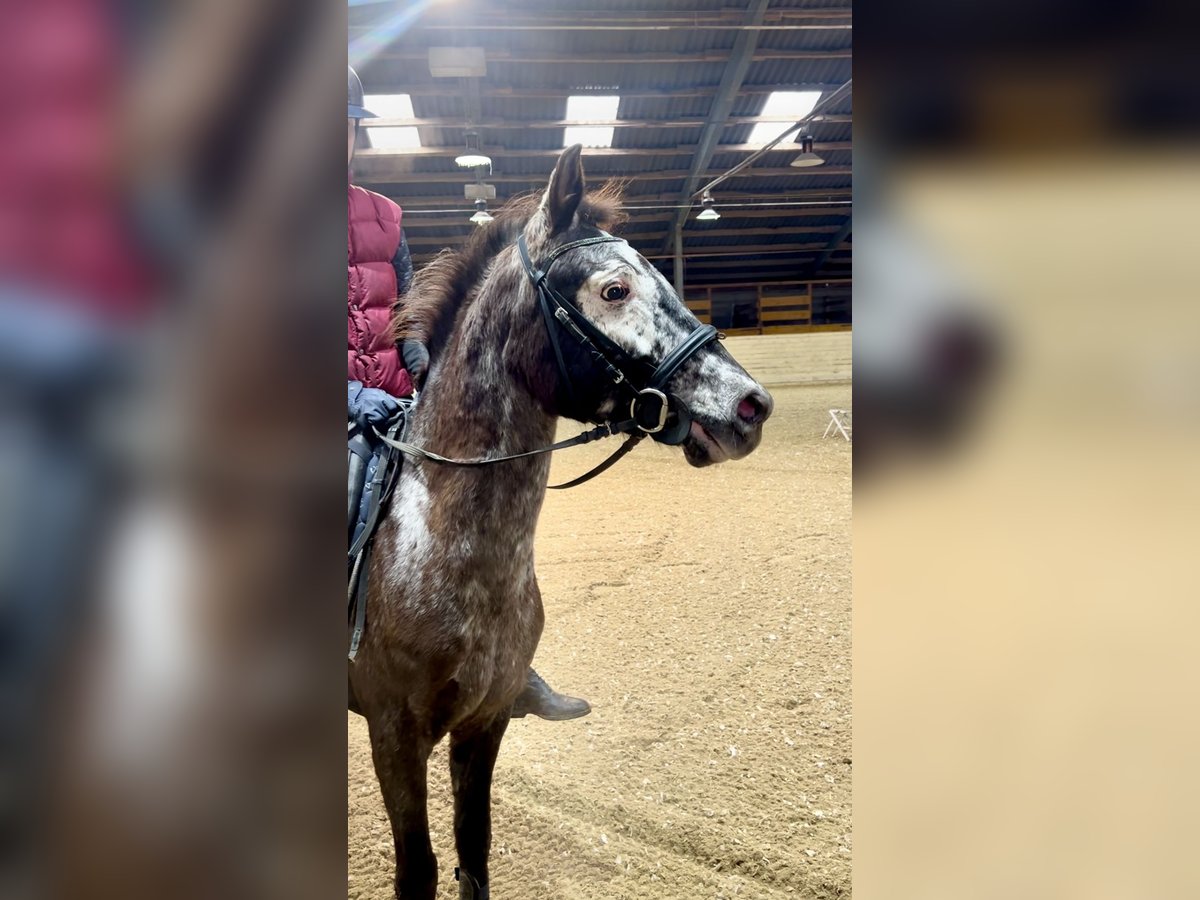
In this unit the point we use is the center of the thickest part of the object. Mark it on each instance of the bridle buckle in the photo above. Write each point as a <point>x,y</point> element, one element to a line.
<point>664,410</point>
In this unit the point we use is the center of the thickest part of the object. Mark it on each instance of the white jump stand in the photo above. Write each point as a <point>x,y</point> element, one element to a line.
<point>840,420</point>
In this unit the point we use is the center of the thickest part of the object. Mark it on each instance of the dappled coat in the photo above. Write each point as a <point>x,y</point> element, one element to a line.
<point>379,271</point>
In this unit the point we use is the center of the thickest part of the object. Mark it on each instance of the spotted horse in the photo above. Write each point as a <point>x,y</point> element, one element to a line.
<point>542,314</point>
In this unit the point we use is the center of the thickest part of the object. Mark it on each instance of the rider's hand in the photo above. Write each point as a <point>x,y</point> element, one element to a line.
<point>369,406</point>
<point>416,360</point>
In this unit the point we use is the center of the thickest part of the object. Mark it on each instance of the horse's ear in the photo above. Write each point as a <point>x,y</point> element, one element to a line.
<point>565,192</point>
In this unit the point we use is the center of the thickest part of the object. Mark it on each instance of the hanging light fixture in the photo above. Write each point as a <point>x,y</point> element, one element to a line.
<point>482,216</point>
<point>708,214</point>
<point>806,157</point>
<point>473,158</point>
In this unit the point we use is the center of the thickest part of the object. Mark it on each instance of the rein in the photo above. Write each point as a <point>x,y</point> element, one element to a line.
<point>652,411</point>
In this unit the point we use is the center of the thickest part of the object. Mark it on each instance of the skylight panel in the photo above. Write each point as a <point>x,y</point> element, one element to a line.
<point>590,108</point>
<point>404,137</point>
<point>793,105</point>
<point>391,106</point>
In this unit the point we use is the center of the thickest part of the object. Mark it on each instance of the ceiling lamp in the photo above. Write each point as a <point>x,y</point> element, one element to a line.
<point>806,157</point>
<point>482,216</point>
<point>473,159</point>
<point>708,214</point>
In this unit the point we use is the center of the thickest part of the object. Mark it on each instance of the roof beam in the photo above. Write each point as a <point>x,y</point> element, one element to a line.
<point>701,265</point>
<point>540,178</point>
<point>642,234</point>
<point>438,89</point>
<point>699,231</point>
<point>459,122</point>
<point>735,212</point>
<point>590,152</point>
<point>541,26</point>
<point>656,57</point>
<point>718,250</point>
<point>723,260</point>
<point>633,235</point>
<point>747,250</point>
<point>834,243</point>
<point>786,195</point>
<point>415,220</point>
<point>729,17</point>
<point>822,105</point>
<point>626,20</point>
<point>731,80</point>
<point>811,195</point>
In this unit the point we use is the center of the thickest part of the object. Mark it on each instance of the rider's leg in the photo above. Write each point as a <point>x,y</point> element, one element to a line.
<point>546,703</point>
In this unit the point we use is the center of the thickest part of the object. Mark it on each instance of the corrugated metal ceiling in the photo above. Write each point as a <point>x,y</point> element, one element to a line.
<point>673,75</point>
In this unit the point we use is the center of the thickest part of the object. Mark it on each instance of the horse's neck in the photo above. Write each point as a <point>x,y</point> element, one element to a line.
<point>477,403</point>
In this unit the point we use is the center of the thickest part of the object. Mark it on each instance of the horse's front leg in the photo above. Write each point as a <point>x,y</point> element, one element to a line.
<point>472,759</point>
<point>401,758</point>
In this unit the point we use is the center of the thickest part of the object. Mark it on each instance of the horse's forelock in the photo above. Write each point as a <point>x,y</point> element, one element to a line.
<point>602,208</point>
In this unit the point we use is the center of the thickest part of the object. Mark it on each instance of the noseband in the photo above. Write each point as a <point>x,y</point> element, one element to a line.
<point>662,416</point>
<point>652,411</point>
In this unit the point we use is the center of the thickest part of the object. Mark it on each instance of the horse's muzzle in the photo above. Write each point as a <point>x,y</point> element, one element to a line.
<point>738,436</point>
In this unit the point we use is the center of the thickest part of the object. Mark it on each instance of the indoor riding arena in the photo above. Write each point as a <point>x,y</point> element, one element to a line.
<point>705,613</point>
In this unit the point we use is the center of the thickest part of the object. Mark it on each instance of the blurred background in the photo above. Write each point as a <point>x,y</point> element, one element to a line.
<point>1027,358</point>
<point>172,225</point>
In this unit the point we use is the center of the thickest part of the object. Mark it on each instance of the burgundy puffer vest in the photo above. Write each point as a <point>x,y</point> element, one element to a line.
<point>374,238</point>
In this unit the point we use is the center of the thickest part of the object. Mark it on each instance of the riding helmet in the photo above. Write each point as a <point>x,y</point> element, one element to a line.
<point>354,97</point>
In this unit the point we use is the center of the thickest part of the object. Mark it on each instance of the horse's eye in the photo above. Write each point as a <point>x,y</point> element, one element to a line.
<point>615,292</point>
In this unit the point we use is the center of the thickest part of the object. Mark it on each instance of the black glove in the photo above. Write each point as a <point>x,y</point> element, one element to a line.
<point>416,360</point>
<point>369,406</point>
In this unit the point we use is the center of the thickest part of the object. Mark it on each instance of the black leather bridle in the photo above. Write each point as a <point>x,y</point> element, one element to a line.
<point>652,411</point>
<point>661,416</point>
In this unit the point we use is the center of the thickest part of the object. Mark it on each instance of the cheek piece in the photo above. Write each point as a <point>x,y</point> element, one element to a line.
<point>652,411</point>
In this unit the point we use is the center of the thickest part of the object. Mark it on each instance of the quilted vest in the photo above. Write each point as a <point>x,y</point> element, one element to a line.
<point>374,238</point>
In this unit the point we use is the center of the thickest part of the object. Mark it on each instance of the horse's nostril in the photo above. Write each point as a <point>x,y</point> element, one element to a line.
<point>754,408</point>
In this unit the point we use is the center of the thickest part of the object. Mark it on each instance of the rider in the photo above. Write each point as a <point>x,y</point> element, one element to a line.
<point>380,271</point>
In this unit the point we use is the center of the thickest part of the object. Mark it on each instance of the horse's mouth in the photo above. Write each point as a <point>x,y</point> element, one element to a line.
<point>701,448</point>
<point>710,441</point>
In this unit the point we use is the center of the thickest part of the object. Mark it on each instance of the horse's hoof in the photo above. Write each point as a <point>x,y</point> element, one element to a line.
<point>468,887</point>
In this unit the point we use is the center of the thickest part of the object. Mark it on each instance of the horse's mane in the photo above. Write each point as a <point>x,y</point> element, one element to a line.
<point>447,283</point>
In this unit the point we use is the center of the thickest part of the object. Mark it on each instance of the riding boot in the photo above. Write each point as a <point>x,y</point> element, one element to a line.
<point>468,887</point>
<point>359,454</point>
<point>546,703</point>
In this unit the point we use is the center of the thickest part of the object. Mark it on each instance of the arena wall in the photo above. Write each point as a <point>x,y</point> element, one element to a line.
<point>811,358</point>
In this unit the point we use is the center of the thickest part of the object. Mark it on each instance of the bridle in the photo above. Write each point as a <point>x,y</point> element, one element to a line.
<point>650,407</point>
<point>652,411</point>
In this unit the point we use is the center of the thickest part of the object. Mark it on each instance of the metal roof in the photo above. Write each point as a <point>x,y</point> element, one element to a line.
<point>667,60</point>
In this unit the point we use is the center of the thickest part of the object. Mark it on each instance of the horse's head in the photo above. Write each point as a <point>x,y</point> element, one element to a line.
<point>717,410</point>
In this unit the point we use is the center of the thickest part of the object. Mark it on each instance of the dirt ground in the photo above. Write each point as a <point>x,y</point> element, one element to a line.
<point>706,616</point>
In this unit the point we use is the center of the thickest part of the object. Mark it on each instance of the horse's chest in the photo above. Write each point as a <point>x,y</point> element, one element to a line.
<point>465,583</point>
<point>471,580</point>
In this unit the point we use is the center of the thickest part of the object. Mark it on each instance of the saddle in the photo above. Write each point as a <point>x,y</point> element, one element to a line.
<point>374,470</point>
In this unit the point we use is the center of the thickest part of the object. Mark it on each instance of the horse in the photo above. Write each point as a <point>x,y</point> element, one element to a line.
<point>454,612</point>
